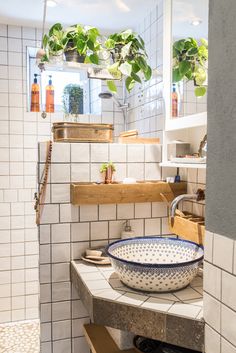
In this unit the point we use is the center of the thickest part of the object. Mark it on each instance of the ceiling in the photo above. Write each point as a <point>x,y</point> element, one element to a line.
<point>185,11</point>
<point>104,14</point>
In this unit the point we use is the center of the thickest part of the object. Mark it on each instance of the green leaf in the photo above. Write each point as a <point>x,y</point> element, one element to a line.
<point>55,27</point>
<point>184,67</point>
<point>125,50</point>
<point>176,75</point>
<point>81,46</point>
<point>90,44</point>
<point>94,59</point>
<point>136,77</point>
<point>129,83</point>
<point>141,63</point>
<point>112,86</point>
<point>45,41</point>
<point>125,34</point>
<point>125,68</point>
<point>200,91</point>
<point>204,42</point>
<point>113,69</point>
<point>192,51</point>
<point>179,45</point>
<point>148,73</point>
<point>135,68</point>
<point>110,43</point>
<point>200,76</point>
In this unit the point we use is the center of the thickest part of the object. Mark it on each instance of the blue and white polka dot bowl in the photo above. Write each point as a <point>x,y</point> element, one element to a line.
<point>155,264</point>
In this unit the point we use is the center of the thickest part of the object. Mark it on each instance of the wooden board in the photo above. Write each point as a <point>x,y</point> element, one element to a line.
<point>149,191</point>
<point>192,228</point>
<point>135,140</point>
<point>100,341</point>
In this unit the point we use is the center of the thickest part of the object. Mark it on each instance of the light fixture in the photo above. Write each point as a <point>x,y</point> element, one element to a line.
<point>51,3</point>
<point>196,22</point>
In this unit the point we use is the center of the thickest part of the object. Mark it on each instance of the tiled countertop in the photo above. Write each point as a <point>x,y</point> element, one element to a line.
<point>175,317</point>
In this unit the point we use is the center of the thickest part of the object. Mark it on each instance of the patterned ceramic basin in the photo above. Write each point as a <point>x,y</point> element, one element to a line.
<point>155,264</point>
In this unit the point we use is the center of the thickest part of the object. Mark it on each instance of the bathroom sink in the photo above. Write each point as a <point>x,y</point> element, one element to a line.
<point>155,264</point>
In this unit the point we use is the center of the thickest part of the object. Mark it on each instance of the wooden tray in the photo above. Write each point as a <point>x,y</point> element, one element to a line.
<point>190,227</point>
<point>146,191</point>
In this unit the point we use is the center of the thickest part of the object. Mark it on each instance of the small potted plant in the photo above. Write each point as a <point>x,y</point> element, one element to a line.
<point>73,100</point>
<point>190,63</point>
<point>108,169</point>
<point>54,44</point>
<point>83,45</point>
<point>129,59</point>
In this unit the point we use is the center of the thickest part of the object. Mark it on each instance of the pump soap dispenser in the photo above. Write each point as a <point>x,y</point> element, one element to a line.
<point>50,96</point>
<point>35,106</point>
<point>127,232</point>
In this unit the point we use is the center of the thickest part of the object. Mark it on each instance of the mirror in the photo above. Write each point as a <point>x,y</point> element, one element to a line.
<point>189,53</point>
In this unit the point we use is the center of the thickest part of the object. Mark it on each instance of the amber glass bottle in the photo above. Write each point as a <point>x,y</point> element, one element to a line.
<point>50,96</point>
<point>175,112</point>
<point>35,106</point>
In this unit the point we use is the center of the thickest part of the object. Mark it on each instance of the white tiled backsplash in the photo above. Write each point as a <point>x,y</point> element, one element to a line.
<point>66,231</point>
<point>219,294</point>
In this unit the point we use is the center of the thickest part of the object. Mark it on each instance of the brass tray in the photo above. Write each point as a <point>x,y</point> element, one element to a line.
<point>81,132</point>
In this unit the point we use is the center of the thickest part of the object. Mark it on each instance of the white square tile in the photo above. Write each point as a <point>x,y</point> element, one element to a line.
<point>68,213</point>
<point>152,226</point>
<point>115,229</point>
<point>159,209</point>
<point>60,173</point>
<point>14,31</point>
<point>132,299</point>
<point>212,280</point>
<point>3,44</point>
<point>135,153</point>
<point>60,253</point>
<point>211,311</point>
<point>80,152</point>
<point>78,249</point>
<point>99,152</point>
<point>228,289</point>
<point>61,153</point>
<point>78,326</point>
<point>125,211</point>
<point>3,30</point>
<point>62,346</point>
<point>208,246</point>
<point>223,252</point>
<point>88,213</point>
<point>60,193</point>
<point>186,310</point>
<point>61,291</point>
<point>107,212</point>
<point>212,340</point>
<point>152,171</point>
<point>79,232</point>
<point>136,171</point>
<point>226,347</point>
<point>228,324</point>
<point>99,230</point>
<point>28,33</point>
<point>31,248</point>
<point>80,172</point>
<point>117,153</point>
<point>61,329</point>
<point>61,272</point>
<point>45,254</point>
<point>153,153</point>
<point>60,233</point>
<point>50,214</point>
<point>142,210</point>
<point>61,311</point>
<point>137,226</point>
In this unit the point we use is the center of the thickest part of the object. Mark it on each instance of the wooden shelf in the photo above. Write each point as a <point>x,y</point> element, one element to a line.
<point>183,165</point>
<point>146,191</point>
<point>100,341</point>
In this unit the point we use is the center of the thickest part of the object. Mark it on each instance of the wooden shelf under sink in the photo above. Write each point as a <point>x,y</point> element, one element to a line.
<point>145,191</point>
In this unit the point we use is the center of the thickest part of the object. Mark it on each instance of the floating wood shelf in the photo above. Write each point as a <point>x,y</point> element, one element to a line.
<point>100,341</point>
<point>146,191</point>
<point>190,227</point>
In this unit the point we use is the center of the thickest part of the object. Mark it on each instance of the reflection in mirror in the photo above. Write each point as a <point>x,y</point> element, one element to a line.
<point>190,57</point>
<point>74,93</point>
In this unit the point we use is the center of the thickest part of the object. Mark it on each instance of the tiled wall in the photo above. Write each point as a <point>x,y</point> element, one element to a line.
<point>146,113</point>
<point>190,104</point>
<point>66,230</point>
<point>219,294</point>
<point>20,131</point>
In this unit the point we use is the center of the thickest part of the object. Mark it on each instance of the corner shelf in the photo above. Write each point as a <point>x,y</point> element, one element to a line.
<point>185,122</point>
<point>183,165</point>
<point>142,191</point>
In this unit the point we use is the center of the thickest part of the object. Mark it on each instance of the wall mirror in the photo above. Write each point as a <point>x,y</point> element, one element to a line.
<point>189,36</point>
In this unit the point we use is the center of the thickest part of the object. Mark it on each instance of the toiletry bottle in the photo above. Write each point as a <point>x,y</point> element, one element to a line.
<point>50,96</point>
<point>174,102</point>
<point>127,232</point>
<point>35,106</point>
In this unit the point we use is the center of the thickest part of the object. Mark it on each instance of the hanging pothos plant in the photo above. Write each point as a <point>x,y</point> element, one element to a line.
<point>190,63</point>
<point>129,59</point>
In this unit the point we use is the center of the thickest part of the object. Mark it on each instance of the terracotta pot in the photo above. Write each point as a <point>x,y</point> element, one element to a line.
<point>108,175</point>
<point>72,55</point>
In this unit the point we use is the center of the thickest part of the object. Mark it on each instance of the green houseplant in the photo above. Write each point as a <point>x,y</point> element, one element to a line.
<point>108,169</point>
<point>190,62</point>
<point>54,43</point>
<point>129,59</point>
<point>72,99</point>
<point>84,41</point>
